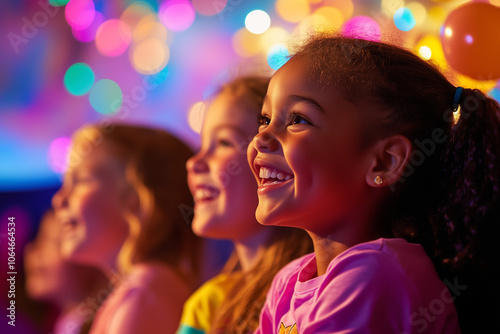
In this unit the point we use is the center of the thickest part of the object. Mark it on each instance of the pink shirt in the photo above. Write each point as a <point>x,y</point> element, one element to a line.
<point>149,301</point>
<point>383,286</point>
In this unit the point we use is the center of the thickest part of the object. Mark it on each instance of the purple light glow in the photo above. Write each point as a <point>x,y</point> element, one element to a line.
<point>88,34</point>
<point>363,27</point>
<point>177,15</point>
<point>58,153</point>
<point>80,13</point>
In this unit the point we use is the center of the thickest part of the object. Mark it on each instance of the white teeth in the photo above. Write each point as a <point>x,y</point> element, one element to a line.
<point>204,194</point>
<point>267,173</point>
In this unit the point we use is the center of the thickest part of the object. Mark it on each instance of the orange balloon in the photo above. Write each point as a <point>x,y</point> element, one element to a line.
<point>471,40</point>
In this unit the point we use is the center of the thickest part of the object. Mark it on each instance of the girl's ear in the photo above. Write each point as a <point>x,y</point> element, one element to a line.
<point>131,200</point>
<point>390,157</point>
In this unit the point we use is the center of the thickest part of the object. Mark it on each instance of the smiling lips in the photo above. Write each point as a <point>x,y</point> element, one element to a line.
<point>204,193</point>
<point>270,176</point>
<point>67,226</point>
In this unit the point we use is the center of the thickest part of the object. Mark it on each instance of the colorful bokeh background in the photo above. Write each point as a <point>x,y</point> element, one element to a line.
<point>66,63</point>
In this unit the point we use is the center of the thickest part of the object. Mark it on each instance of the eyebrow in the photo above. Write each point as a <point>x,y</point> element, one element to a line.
<point>298,98</point>
<point>230,127</point>
<point>310,101</point>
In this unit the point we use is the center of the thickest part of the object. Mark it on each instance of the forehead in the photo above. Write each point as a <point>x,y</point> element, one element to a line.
<point>231,111</point>
<point>95,157</point>
<point>295,78</point>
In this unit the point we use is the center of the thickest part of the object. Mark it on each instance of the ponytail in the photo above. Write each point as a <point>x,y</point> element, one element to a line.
<point>471,180</point>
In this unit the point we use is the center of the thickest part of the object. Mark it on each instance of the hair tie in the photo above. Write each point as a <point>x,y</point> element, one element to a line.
<point>456,99</point>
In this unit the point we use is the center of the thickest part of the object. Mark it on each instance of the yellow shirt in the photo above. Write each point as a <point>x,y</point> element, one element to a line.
<point>201,307</point>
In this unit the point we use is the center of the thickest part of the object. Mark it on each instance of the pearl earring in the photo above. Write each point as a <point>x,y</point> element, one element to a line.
<point>378,180</point>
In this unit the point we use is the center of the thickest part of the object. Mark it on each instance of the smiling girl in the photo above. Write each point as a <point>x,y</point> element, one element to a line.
<point>371,159</point>
<point>225,200</point>
<point>119,209</point>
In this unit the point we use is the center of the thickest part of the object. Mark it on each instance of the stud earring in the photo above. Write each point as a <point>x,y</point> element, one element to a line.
<point>378,180</point>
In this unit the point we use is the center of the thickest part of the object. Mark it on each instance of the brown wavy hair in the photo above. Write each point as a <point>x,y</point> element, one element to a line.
<point>240,310</point>
<point>448,198</point>
<point>155,168</point>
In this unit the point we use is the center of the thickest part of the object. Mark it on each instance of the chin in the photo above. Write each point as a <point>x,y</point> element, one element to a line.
<point>268,217</point>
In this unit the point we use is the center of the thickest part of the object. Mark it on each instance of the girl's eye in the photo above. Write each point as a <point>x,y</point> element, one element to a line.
<point>225,143</point>
<point>299,119</point>
<point>79,179</point>
<point>264,120</point>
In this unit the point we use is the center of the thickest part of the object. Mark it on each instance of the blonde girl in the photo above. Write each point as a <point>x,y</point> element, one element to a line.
<point>225,200</point>
<point>119,210</point>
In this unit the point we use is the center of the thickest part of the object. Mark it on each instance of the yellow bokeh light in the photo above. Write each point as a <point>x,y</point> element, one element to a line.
<point>150,56</point>
<point>437,15</point>
<point>389,7</point>
<point>315,1</point>
<point>272,36</point>
<point>495,2</point>
<point>196,116</point>
<point>425,52</point>
<point>245,43</point>
<point>434,52</point>
<point>333,16</point>
<point>310,25</point>
<point>149,27</point>
<point>292,10</point>
<point>448,32</point>
<point>135,12</point>
<point>346,7</point>
<point>467,82</point>
<point>419,12</point>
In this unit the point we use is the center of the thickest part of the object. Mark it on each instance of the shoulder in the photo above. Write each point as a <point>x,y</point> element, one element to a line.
<point>213,291</point>
<point>379,255</point>
<point>384,269</point>
<point>201,306</point>
<point>151,297</point>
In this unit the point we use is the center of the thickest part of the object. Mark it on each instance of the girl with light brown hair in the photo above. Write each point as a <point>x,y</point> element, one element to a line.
<point>119,210</point>
<point>225,201</point>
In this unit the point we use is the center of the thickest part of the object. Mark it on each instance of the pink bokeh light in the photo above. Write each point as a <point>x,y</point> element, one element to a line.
<point>58,153</point>
<point>113,37</point>
<point>363,27</point>
<point>209,7</point>
<point>80,13</point>
<point>88,34</point>
<point>177,15</point>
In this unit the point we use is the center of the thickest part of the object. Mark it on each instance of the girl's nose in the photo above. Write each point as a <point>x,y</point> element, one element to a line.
<point>60,199</point>
<point>197,164</point>
<point>265,142</point>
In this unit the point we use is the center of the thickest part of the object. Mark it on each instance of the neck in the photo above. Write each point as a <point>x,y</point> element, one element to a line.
<point>361,227</point>
<point>250,249</point>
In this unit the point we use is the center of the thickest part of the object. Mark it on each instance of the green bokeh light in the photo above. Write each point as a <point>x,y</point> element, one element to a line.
<point>106,96</point>
<point>79,79</point>
<point>58,3</point>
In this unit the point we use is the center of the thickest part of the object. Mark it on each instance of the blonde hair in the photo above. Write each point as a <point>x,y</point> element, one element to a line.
<point>155,169</point>
<point>239,313</point>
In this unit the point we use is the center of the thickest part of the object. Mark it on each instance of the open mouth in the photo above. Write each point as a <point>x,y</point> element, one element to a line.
<point>270,176</point>
<point>67,227</point>
<point>204,193</point>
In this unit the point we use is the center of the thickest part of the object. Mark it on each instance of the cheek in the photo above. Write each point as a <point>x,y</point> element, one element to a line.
<point>99,208</point>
